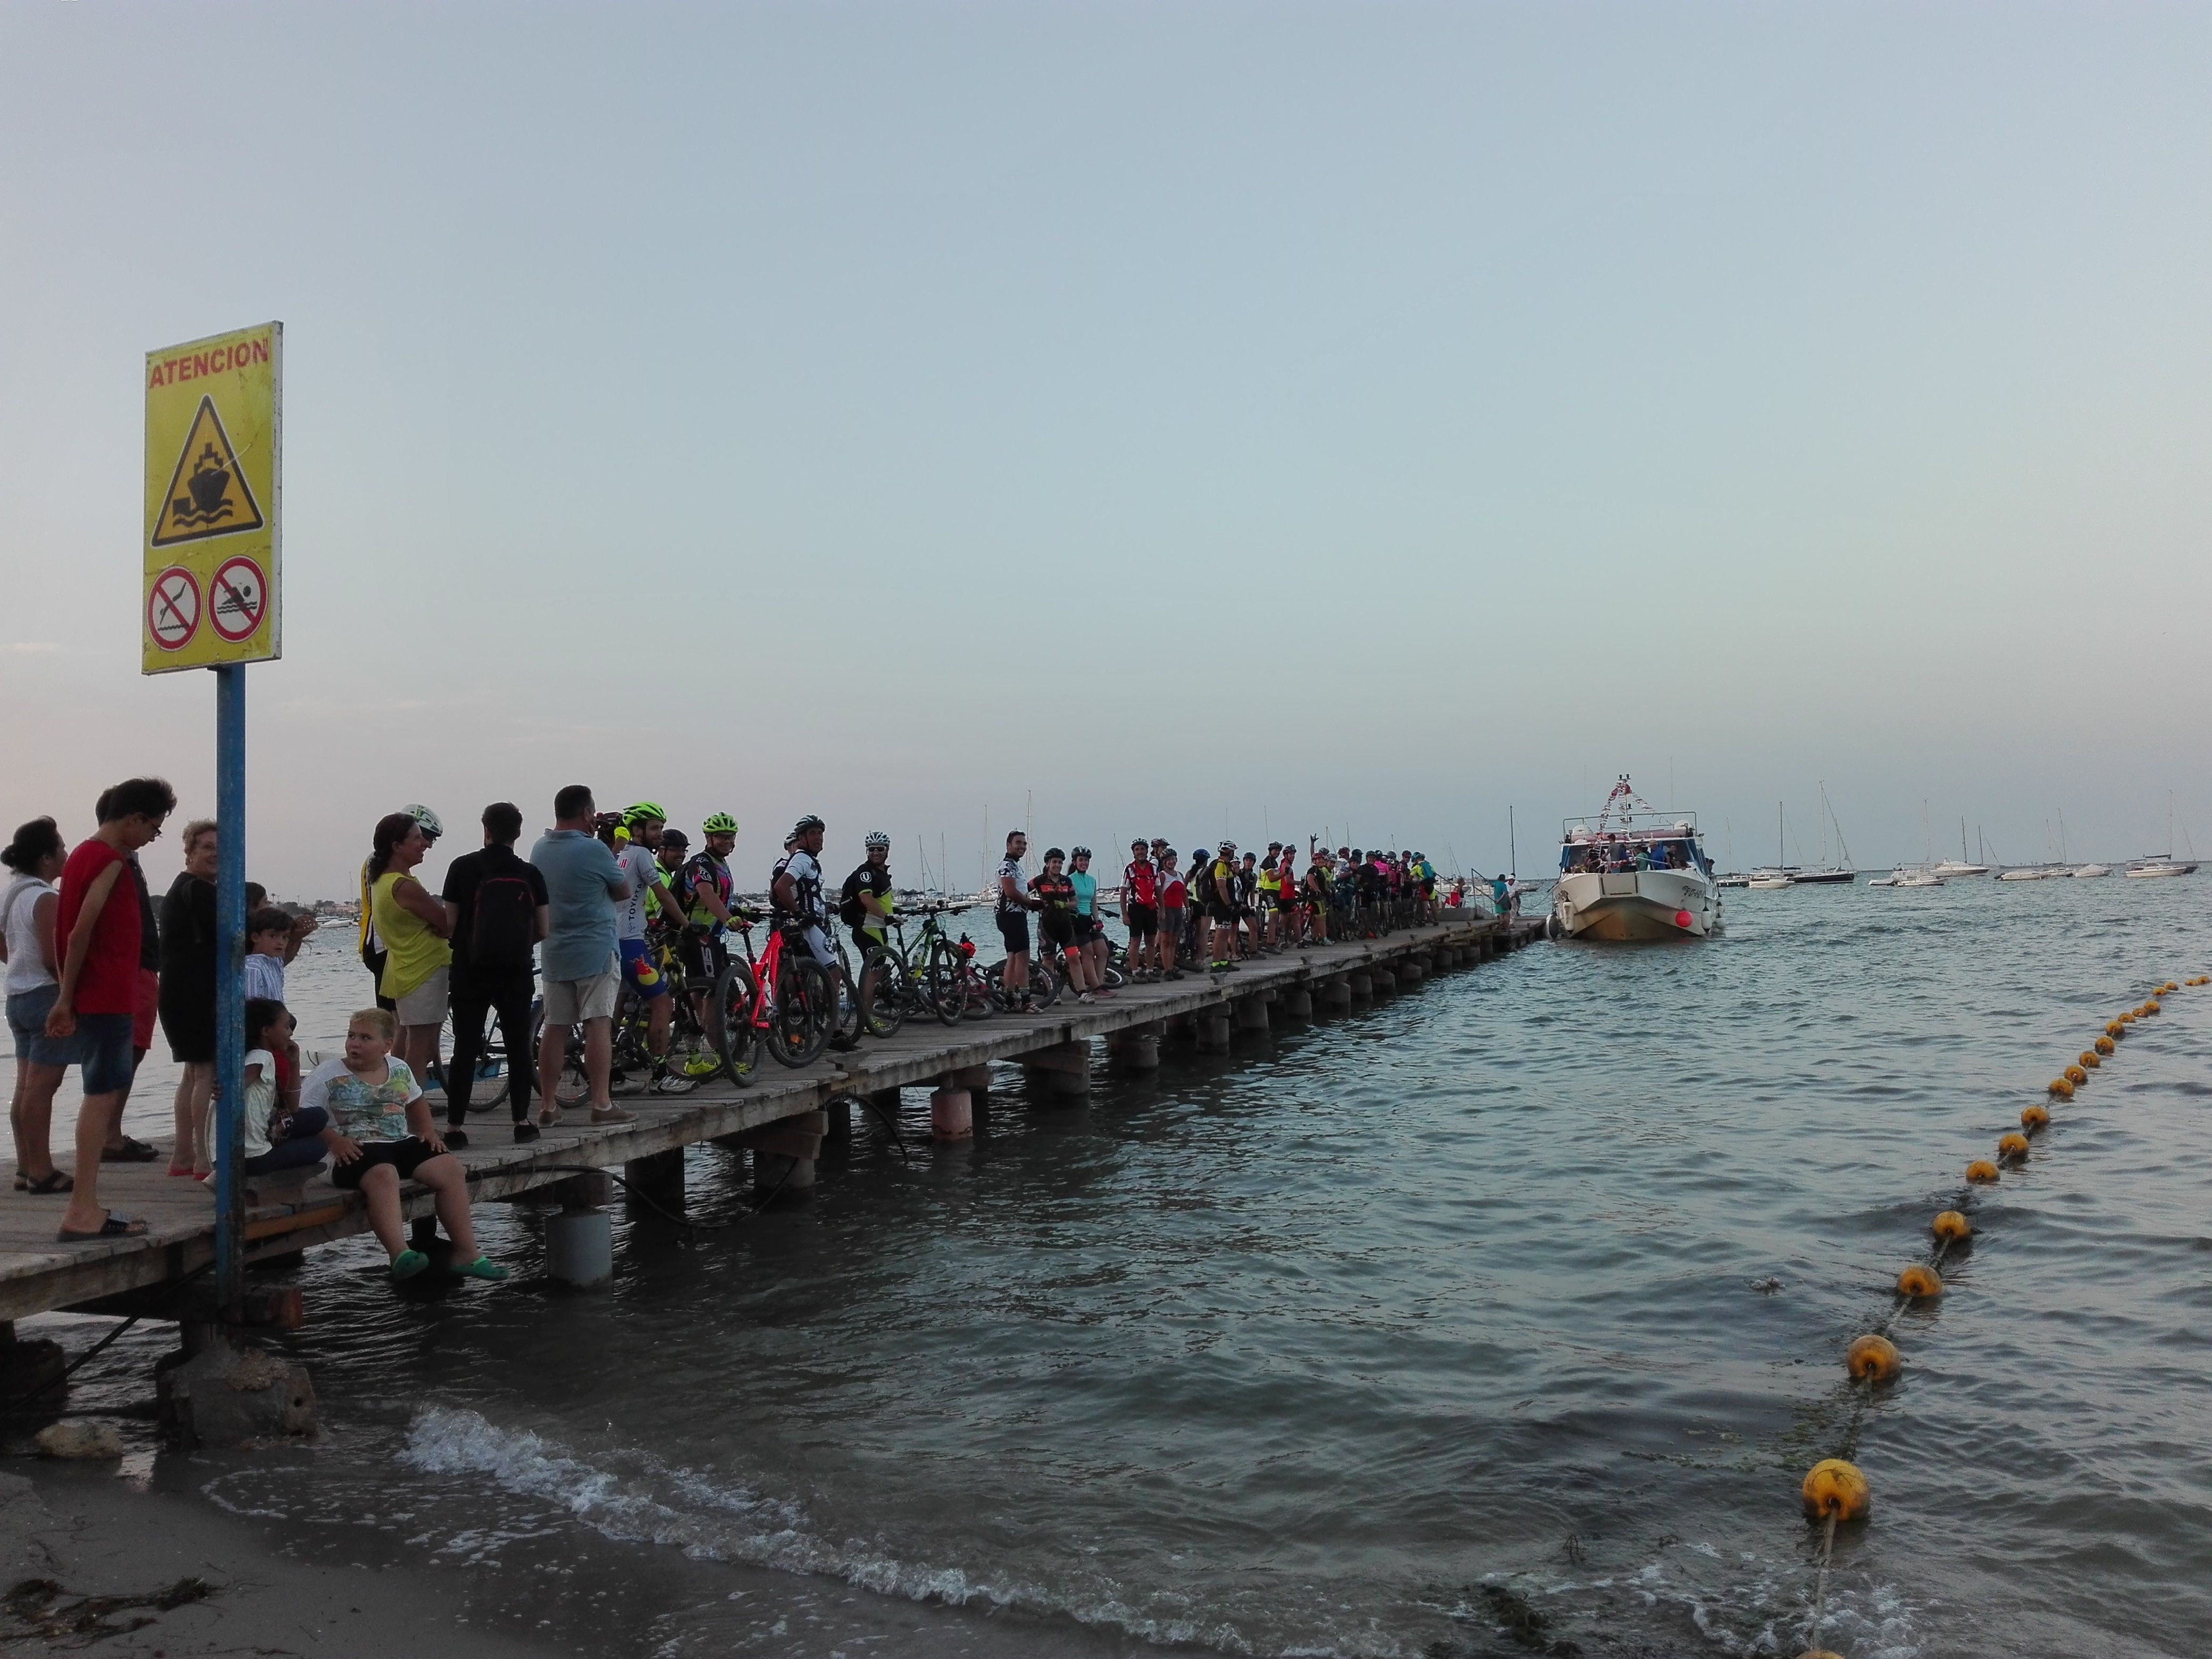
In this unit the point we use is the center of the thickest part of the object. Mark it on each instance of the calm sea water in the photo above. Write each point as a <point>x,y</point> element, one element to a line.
<point>1527,1290</point>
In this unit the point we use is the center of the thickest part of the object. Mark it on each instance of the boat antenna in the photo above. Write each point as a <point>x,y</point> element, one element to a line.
<point>1512,848</point>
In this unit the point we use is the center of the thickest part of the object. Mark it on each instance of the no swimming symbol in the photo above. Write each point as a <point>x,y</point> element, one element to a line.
<point>238,599</point>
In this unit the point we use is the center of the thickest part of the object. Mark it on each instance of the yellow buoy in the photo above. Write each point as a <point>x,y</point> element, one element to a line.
<point>1920,1281</point>
<point>2128,1018</point>
<point>2201,979</point>
<point>2012,1145</point>
<point>2032,1118</point>
<point>1872,1359</point>
<point>2148,1008</point>
<point>1835,1490</point>
<point>2076,1076</point>
<point>1949,1225</point>
<point>1981,1172</point>
<point>2090,1059</point>
<point>2116,1029</point>
<point>2105,1045</point>
<point>2168,986</point>
<point>2062,1088</point>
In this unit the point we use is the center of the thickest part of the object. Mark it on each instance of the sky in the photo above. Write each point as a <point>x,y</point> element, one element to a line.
<point>1186,419</point>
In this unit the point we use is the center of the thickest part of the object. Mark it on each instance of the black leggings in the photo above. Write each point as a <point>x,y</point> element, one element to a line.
<point>510,999</point>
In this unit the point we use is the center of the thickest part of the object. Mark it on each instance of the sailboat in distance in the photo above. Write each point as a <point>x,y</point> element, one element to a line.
<point>1824,872</point>
<point>1959,865</point>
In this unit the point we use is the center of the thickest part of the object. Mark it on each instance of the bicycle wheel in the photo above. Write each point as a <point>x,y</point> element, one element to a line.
<point>805,1018</point>
<point>884,992</point>
<point>730,1026</point>
<point>944,983</point>
<point>849,1019</point>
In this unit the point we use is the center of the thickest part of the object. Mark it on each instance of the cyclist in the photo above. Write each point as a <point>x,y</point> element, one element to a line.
<point>1056,896</point>
<point>1015,903</point>
<point>1221,907</point>
<point>1089,929</point>
<point>1248,914</point>
<point>640,863</point>
<point>703,888</point>
<point>1140,880</point>
<point>795,885</point>
<point>1317,888</point>
<point>864,903</point>
<point>1174,896</point>
<point>1269,885</point>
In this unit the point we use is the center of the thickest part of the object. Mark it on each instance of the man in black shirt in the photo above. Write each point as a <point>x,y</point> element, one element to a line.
<point>864,901</point>
<point>498,908</point>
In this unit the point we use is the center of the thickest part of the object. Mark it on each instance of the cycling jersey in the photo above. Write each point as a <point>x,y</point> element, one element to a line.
<point>874,879</point>
<point>1141,878</point>
<point>806,875</point>
<point>1174,894</point>
<point>1010,870</point>
<point>1087,891</point>
<point>703,873</point>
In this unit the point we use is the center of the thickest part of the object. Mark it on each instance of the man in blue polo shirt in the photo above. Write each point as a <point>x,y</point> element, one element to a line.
<point>583,885</point>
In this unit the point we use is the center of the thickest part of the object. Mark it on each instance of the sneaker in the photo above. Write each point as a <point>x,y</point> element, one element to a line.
<point>844,1045</point>
<point>525,1131</point>
<point>1085,996</point>
<point>612,1115</point>
<point>700,1063</point>
<point>669,1083</point>
<point>455,1137</point>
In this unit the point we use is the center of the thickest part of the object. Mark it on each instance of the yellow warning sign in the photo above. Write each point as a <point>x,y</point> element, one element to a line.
<point>208,495</point>
<point>212,546</point>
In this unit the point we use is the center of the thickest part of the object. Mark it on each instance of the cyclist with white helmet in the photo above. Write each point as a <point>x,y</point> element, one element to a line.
<point>640,866</point>
<point>801,912</point>
<point>706,889</point>
<point>865,902</point>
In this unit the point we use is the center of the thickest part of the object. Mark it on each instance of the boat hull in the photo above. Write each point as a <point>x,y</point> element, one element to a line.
<point>1639,904</point>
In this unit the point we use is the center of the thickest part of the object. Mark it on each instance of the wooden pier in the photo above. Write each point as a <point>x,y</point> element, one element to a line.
<point>776,1117</point>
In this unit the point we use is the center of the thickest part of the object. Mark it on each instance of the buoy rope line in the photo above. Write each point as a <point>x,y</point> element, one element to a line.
<point>1834,1490</point>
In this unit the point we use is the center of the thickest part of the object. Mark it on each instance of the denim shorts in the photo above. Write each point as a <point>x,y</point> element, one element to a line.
<point>104,1053</point>
<point>26,1019</point>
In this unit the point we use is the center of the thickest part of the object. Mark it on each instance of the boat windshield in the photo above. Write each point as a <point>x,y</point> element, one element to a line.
<point>1614,854</point>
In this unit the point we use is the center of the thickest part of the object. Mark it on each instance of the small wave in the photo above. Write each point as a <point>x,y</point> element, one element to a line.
<point>647,1501</point>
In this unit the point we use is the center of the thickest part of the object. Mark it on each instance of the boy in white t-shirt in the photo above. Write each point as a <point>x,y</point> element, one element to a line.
<point>381,1133</point>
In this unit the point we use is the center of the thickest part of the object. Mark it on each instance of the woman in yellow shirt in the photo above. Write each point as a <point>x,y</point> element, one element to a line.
<point>414,926</point>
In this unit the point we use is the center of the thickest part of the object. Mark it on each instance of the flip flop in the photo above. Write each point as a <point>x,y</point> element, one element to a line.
<point>133,1151</point>
<point>54,1181</point>
<point>115,1226</point>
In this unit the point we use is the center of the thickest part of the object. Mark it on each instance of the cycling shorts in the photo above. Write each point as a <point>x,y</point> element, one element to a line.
<point>1014,931</point>
<point>641,969</point>
<point>1143,920</point>
<point>815,943</point>
<point>1087,928</point>
<point>703,956</point>
<point>1058,925</point>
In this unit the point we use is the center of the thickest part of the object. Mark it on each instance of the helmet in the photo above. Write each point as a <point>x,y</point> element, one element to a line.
<point>1080,853</point>
<point>806,824</point>
<point>718,824</point>
<point>1228,845</point>
<point>674,838</point>
<point>1052,852</point>
<point>1138,845</point>
<point>643,810</point>
<point>1274,846</point>
<point>433,825</point>
<point>877,838</point>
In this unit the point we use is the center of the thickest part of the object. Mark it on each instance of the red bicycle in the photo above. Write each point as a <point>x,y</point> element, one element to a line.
<point>783,1001</point>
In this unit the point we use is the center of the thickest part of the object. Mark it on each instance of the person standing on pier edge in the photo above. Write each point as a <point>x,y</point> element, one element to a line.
<point>1013,919</point>
<point>413,925</point>
<point>97,934</point>
<point>497,906</point>
<point>583,885</point>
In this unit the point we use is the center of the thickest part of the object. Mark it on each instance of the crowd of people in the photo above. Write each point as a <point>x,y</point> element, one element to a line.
<point>602,901</point>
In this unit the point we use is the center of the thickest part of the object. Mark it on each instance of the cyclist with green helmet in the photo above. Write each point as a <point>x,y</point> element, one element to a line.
<point>641,866</point>
<point>705,888</point>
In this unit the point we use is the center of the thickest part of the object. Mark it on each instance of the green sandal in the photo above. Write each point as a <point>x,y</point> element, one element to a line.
<point>482,1268</point>
<point>407,1264</point>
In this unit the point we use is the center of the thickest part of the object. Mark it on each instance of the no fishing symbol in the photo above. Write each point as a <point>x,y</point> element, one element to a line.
<point>238,597</point>
<point>172,609</point>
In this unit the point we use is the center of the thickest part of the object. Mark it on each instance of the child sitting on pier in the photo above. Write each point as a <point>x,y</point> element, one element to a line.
<point>381,1133</point>
<point>277,1134</point>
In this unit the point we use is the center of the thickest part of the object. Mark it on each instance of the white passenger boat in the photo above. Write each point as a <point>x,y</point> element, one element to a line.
<point>1637,873</point>
<point>2084,871</point>
<point>2159,863</point>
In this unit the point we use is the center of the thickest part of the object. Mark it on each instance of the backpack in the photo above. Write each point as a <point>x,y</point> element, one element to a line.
<point>505,922</point>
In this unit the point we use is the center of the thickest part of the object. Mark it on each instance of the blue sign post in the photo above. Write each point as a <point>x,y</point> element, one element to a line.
<point>230,981</point>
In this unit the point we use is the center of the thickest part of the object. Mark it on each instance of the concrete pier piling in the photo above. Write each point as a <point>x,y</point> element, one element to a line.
<point>952,1115</point>
<point>1212,1027</point>
<point>1063,1069</point>
<point>1137,1049</point>
<point>655,1180</point>
<point>579,1246</point>
<point>1298,1003</point>
<point>1252,1014</point>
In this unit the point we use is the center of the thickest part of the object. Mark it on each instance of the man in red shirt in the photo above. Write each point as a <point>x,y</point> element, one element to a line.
<point>96,928</point>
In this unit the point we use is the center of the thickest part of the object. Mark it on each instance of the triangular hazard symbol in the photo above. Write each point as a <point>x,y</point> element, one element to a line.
<point>208,494</point>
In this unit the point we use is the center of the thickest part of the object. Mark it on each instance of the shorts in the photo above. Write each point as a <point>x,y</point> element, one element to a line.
<point>641,969</point>
<point>426,1004</point>
<point>142,1013</point>
<point>1087,928</point>
<point>573,1001</point>
<point>1143,920</point>
<point>1171,928</point>
<point>405,1156</point>
<point>1222,916</point>
<point>703,956</point>
<point>1057,925</point>
<point>1014,931</point>
<point>27,1019</point>
<point>103,1053</point>
<point>815,944</point>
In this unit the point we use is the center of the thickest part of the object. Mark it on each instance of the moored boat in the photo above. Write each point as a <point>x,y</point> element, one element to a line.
<point>1637,873</point>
